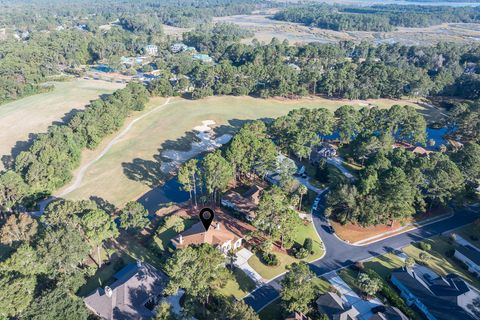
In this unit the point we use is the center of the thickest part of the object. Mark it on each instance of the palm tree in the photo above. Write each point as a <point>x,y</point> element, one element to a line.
<point>232,257</point>
<point>302,190</point>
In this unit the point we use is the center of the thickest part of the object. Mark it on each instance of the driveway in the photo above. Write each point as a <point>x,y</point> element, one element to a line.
<point>364,307</point>
<point>242,263</point>
<point>338,162</point>
<point>340,254</point>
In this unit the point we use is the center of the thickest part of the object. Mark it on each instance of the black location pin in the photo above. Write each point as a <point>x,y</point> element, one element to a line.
<point>206,216</point>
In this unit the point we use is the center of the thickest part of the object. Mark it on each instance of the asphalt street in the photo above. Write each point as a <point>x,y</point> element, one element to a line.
<point>340,254</point>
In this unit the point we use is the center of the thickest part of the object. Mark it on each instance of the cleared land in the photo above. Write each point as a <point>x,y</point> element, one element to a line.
<point>132,165</point>
<point>34,114</point>
<point>265,29</point>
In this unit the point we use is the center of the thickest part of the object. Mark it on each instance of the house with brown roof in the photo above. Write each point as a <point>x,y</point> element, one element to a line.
<point>414,149</point>
<point>217,235</point>
<point>133,295</point>
<point>246,203</point>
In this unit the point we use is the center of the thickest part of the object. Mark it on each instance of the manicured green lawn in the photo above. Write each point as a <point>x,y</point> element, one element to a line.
<point>470,233</point>
<point>384,265</point>
<point>104,275</point>
<point>440,260</point>
<point>131,166</point>
<point>34,114</point>
<point>302,232</point>
<point>164,235</point>
<point>239,286</point>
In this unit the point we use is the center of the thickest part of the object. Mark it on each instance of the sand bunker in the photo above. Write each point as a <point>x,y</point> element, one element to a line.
<point>207,142</point>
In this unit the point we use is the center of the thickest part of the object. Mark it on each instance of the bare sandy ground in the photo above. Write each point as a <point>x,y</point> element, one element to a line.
<point>266,28</point>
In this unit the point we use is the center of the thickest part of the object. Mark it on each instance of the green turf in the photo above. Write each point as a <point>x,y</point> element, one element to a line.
<point>132,165</point>
<point>164,235</point>
<point>440,261</point>
<point>34,114</point>
<point>302,232</point>
<point>239,286</point>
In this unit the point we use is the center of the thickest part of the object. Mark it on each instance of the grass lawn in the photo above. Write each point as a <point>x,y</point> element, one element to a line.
<point>104,275</point>
<point>302,232</point>
<point>131,166</point>
<point>34,114</point>
<point>440,261</point>
<point>384,265</point>
<point>164,235</point>
<point>131,246</point>
<point>470,233</point>
<point>239,286</point>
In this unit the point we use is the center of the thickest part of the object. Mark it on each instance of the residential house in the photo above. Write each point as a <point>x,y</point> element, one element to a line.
<point>323,151</point>
<point>246,203</point>
<point>151,49</point>
<point>202,57</point>
<point>178,47</point>
<point>335,308</point>
<point>217,235</point>
<point>133,295</point>
<point>414,149</point>
<point>438,298</point>
<point>468,254</point>
<point>389,313</point>
<point>283,166</point>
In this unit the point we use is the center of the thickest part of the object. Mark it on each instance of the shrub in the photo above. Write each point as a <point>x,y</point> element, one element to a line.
<point>270,259</point>
<point>308,245</point>
<point>359,265</point>
<point>425,246</point>
<point>302,253</point>
<point>391,295</point>
<point>423,257</point>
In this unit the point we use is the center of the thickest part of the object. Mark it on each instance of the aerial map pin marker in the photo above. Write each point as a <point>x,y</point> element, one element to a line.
<point>206,216</point>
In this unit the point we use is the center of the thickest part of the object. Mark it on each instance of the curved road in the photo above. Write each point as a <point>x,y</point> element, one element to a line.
<point>340,254</point>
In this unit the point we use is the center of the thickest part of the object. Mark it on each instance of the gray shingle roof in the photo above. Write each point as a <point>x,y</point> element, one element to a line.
<point>440,295</point>
<point>134,286</point>
<point>470,253</point>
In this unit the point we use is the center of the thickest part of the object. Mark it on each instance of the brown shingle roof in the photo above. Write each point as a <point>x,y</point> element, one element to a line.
<point>217,234</point>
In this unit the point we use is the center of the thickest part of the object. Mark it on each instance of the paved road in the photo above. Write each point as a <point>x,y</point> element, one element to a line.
<point>340,254</point>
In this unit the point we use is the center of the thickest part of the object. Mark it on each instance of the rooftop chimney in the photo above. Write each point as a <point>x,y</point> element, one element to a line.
<point>108,291</point>
<point>180,239</point>
<point>217,227</point>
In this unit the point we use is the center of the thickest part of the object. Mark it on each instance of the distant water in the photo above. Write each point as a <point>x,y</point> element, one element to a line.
<point>436,3</point>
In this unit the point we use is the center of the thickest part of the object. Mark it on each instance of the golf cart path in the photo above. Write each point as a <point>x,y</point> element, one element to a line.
<point>83,169</point>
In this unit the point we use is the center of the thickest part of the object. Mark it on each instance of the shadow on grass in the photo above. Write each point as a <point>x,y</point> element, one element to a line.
<point>149,171</point>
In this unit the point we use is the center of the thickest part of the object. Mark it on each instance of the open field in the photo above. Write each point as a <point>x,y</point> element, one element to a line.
<point>34,114</point>
<point>132,165</point>
<point>265,29</point>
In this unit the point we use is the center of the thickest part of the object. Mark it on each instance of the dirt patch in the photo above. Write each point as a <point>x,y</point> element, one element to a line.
<point>357,234</point>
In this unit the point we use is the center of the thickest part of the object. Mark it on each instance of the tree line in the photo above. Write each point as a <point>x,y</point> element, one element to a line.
<point>346,70</point>
<point>48,163</point>
<point>380,18</point>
